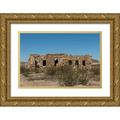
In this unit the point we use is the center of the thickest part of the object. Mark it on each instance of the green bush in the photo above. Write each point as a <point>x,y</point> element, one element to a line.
<point>70,76</point>
<point>82,76</point>
<point>50,70</point>
<point>67,75</point>
<point>37,70</point>
<point>96,71</point>
<point>25,71</point>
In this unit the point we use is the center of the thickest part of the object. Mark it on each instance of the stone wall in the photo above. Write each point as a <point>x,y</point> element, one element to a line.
<point>42,61</point>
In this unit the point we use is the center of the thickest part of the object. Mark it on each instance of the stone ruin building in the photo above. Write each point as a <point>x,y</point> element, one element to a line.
<point>43,61</point>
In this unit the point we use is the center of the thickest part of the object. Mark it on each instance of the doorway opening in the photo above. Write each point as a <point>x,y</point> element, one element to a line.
<point>55,62</point>
<point>70,62</point>
<point>83,62</point>
<point>44,62</point>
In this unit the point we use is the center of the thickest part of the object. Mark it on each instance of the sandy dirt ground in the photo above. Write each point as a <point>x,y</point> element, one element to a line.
<point>39,80</point>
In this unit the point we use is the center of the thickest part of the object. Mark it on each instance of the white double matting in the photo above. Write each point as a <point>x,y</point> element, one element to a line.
<point>54,92</point>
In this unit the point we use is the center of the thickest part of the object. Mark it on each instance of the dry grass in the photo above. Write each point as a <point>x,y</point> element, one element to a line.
<point>60,76</point>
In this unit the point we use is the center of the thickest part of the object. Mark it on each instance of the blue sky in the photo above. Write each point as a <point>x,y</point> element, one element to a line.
<point>75,43</point>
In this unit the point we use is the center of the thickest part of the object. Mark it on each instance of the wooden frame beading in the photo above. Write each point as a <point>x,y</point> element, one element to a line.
<point>7,19</point>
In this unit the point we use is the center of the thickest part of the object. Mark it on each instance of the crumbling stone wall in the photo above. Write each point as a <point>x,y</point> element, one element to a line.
<point>42,61</point>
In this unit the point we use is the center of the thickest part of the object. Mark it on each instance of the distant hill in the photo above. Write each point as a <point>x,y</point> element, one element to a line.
<point>22,62</point>
<point>95,61</point>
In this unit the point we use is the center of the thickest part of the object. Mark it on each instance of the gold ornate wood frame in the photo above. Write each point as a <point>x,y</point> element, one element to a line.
<point>7,19</point>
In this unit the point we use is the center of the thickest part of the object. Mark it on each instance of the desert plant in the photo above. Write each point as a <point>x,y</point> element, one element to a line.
<point>24,70</point>
<point>37,70</point>
<point>96,71</point>
<point>51,70</point>
<point>26,74</point>
<point>66,75</point>
<point>83,75</point>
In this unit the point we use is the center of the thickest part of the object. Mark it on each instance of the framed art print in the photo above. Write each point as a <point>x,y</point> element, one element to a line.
<point>59,59</point>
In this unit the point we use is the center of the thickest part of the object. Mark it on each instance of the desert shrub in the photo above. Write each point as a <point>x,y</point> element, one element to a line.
<point>95,74</point>
<point>51,70</point>
<point>37,70</point>
<point>66,76</point>
<point>24,71</point>
<point>83,75</point>
<point>26,74</point>
<point>96,71</point>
